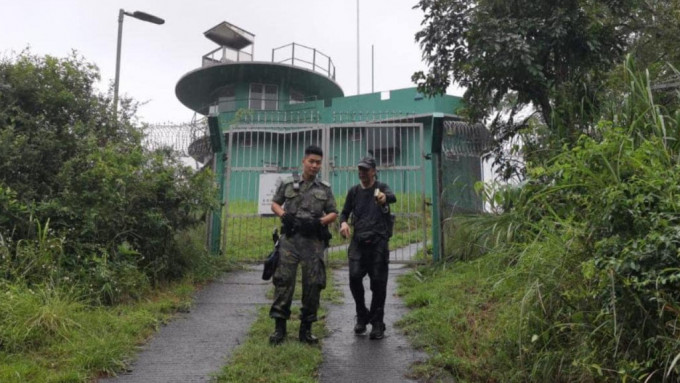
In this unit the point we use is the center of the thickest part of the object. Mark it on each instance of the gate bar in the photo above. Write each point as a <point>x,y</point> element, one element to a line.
<point>227,179</point>
<point>422,182</point>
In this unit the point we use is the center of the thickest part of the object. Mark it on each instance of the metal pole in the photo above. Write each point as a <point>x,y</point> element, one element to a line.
<point>226,179</point>
<point>372,57</point>
<point>137,15</point>
<point>358,87</point>
<point>423,194</point>
<point>326,147</point>
<point>121,14</point>
<point>314,60</point>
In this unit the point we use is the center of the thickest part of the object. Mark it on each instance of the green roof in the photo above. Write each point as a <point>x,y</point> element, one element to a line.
<point>195,89</point>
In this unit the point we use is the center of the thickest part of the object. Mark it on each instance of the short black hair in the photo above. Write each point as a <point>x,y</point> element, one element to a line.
<point>313,149</point>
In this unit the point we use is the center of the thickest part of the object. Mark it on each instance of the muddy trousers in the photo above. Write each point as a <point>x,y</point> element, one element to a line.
<point>369,259</point>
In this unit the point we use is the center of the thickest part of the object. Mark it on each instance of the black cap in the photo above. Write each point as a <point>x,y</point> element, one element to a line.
<point>367,162</point>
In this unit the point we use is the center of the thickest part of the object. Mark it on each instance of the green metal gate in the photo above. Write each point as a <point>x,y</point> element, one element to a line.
<point>258,156</point>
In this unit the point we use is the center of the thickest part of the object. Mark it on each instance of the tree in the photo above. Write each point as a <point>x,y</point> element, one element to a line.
<point>550,55</point>
<point>48,107</point>
<point>65,160</point>
<point>656,28</point>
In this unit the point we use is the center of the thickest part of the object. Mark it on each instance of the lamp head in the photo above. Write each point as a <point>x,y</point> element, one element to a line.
<point>147,17</point>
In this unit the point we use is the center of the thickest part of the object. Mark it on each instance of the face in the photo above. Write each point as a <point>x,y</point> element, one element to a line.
<point>311,165</point>
<point>366,175</point>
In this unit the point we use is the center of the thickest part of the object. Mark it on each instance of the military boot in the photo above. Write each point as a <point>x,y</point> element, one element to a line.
<point>279,334</point>
<point>306,333</point>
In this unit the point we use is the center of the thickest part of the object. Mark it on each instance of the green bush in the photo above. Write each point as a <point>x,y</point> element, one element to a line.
<point>111,209</point>
<point>612,201</point>
<point>12,214</point>
<point>141,199</point>
<point>591,249</point>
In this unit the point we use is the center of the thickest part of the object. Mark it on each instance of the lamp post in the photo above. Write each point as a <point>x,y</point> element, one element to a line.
<point>137,15</point>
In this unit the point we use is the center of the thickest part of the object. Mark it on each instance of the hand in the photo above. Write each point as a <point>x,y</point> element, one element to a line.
<point>381,198</point>
<point>344,230</point>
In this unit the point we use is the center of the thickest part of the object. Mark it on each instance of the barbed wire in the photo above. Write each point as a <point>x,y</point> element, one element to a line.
<point>192,139</point>
<point>462,139</point>
<point>189,139</point>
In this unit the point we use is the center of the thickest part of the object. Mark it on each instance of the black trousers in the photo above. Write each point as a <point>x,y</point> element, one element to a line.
<point>369,258</point>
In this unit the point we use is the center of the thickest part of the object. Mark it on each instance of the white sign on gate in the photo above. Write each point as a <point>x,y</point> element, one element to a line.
<point>269,182</point>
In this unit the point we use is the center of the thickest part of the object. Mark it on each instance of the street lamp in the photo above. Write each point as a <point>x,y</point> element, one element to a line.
<point>137,15</point>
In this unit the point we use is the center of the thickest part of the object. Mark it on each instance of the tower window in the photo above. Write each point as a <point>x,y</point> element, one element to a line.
<point>263,97</point>
<point>226,98</point>
<point>296,97</point>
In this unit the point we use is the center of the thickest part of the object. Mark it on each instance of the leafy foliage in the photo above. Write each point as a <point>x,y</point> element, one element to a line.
<point>532,48</point>
<point>554,58</point>
<point>81,197</point>
<point>581,262</point>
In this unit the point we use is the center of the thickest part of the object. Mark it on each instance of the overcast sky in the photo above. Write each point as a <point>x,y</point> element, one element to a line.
<point>155,57</point>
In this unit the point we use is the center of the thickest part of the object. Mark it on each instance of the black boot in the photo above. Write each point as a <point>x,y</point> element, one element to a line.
<point>377,331</point>
<point>360,326</point>
<point>279,334</point>
<point>306,333</point>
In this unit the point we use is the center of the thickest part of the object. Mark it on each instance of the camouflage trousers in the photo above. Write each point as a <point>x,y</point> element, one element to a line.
<point>309,253</point>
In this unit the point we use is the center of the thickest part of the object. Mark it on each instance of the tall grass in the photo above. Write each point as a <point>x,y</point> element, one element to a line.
<point>578,279</point>
<point>53,335</point>
<point>53,326</point>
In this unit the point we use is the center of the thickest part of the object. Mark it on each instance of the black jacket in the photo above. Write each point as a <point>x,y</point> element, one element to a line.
<point>367,215</point>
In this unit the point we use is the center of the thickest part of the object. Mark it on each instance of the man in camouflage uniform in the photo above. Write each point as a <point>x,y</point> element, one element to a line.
<point>306,207</point>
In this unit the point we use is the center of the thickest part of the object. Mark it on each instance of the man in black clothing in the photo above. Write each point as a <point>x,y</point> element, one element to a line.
<point>368,205</point>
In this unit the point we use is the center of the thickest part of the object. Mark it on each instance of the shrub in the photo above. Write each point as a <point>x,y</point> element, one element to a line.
<point>613,199</point>
<point>593,248</point>
<point>113,207</point>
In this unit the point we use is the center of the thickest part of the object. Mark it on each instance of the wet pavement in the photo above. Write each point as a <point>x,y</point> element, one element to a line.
<point>195,345</point>
<point>350,358</point>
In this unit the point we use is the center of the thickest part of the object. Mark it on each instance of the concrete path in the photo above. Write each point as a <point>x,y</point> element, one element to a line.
<point>349,358</point>
<point>195,344</point>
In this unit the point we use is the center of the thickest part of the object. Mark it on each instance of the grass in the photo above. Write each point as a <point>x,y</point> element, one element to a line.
<point>257,361</point>
<point>454,317</point>
<point>56,332</point>
<point>51,336</point>
<point>249,235</point>
<point>464,314</point>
